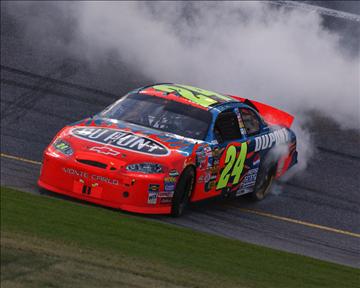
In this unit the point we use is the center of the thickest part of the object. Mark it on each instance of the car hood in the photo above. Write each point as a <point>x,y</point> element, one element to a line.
<point>121,139</point>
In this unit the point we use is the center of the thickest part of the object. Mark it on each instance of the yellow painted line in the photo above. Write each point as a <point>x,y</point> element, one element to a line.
<point>20,159</point>
<point>312,225</point>
<point>252,211</point>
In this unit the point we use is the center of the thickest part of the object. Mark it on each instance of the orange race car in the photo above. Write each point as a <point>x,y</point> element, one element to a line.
<point>161,146</point>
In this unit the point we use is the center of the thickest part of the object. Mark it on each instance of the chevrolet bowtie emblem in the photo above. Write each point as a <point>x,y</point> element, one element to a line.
<point>105,150</point>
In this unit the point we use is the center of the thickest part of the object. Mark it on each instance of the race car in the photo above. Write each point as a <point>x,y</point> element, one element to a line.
<point>162,146</point>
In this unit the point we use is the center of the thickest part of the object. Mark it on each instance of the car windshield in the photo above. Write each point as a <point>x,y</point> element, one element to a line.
<point>161,114</point>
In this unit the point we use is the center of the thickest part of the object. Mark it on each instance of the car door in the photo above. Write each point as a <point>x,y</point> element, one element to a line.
<point>230,152</point>
<point>252,128</point>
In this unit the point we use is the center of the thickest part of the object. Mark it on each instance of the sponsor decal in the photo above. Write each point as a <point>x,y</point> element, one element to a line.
<point>200,157</point>
<point>166,194</point>
<point>170,179</point>
<point>217,152</point>
<point>214,170</point>
<point>154,187</point>
<point>250,179</point>
<point>207,177</point>
<point>173,173</point>
<point>241,123</point>
<point>207,149</point>
<point>104,150</point>
<point>210,161</point>
<point>243,191</point>
<point>121,139</point>
<point>200,179</point>
<point>274,138</point>
<point>165,200</point>
<point>209,154</point>
<point>94,177</point>
<point>169,183</point>
<point>152,197</point>
<point>169,187</point>
<point>209,185</point>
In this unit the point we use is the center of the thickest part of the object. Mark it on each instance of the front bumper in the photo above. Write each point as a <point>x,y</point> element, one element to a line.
<point>133,192</point>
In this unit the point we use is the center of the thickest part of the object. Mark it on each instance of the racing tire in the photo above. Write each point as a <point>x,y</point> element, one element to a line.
<point>263,183</point>
<point>42,191</point>
<point>183,192</point>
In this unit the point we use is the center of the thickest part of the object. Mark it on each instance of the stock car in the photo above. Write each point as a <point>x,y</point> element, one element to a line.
<point>162,146</point>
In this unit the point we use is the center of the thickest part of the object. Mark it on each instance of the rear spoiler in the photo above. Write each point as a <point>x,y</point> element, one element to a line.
<point>271,115</point>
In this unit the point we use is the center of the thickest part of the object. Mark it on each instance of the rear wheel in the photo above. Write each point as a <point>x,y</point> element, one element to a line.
<point>42,191</point>
<point>263,183</point>
<point>183,191</point>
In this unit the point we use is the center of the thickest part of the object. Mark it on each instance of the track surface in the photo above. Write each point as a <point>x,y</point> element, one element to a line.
<point>325,196</point>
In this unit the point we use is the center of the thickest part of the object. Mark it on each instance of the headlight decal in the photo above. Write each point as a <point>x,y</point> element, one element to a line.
<point>63,147</point>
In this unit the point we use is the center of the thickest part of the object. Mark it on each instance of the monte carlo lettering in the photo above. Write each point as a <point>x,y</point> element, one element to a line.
<point>93,177</point>
<point>121,139</point>
<point>268,140</point>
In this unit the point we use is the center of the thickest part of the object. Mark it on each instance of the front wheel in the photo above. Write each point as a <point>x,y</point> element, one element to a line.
<point>263,184</point>
<point>183,191</point>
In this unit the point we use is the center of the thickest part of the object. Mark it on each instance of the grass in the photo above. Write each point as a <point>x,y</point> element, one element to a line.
<point>49,242</point>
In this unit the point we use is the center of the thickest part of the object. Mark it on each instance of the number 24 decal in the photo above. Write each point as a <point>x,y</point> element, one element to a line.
<point>232,169</point>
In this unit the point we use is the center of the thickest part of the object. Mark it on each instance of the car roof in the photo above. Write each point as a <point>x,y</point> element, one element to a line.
<point>189,95</point>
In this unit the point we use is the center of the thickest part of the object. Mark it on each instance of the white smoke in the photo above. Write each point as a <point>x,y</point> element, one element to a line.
<point>276,188</point>
<point>285,58</point>
<point>279,56</point>
<point>305,147</point>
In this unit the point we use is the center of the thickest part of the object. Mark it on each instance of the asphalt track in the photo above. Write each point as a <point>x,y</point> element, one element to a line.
<point>316,213</point>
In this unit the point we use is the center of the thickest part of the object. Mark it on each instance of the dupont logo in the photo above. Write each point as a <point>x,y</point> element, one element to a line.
<point>104,150</point>
<point>120,139</point>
